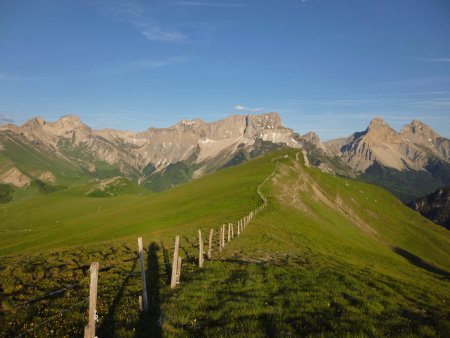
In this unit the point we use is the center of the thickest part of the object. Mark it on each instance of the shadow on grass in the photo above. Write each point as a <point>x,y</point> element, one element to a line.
<point>108,327</point>
<point>150,322</point>
<point>419,262</point>
<point>188,259</point>
<point>167,265</point>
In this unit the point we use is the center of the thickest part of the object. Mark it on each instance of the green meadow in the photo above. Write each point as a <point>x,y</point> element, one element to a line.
<point>328,257</point>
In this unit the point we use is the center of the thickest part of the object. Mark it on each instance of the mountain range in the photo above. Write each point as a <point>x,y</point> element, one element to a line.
<point>409,163</point>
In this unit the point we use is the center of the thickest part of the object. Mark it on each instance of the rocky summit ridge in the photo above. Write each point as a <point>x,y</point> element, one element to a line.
<point>201,146</point>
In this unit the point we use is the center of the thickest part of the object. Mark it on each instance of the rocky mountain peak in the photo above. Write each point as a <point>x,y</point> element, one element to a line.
<point>418,127</point>
<point>69,121</point>
<point>263,123</point>
<point>312,137</point>
<point>35,122</point>
<point>378,132</point>
<point>377,123</point>
<point>270,120</point>
<point>412,148</point>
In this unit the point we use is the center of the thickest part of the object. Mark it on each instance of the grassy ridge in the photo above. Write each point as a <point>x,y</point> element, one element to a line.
<point>69,218</point>
<point>297,272</point>
<point>307,265</point>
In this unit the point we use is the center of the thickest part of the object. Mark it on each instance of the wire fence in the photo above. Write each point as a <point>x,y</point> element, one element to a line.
<point>59,315</point>
<point>52,319</point>
<point>241,225</point>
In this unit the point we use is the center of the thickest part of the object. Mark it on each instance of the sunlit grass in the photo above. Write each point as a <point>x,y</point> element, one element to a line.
<point>292,272</point>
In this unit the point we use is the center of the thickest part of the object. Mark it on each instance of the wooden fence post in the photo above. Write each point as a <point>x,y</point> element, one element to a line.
<point>223,236</point>
<point>173,281</point>
<point>200,249</point>
<point>232,230</point>
<point>210,243</point>
<point>178,271</point>
<point>229,232</point>
<point>239,228</point>
<point>89,330</point>
<point>144,283</point>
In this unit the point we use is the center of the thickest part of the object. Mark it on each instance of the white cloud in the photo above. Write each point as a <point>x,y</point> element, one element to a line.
<point>239,107</point>
<point>135,15</point>
<point>156,33</point>
<point>6,119</point>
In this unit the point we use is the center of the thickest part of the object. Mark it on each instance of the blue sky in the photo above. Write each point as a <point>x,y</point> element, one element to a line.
<point>324,65</point>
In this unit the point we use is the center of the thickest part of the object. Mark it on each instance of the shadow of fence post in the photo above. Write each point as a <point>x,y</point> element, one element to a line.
<point>150,322</point>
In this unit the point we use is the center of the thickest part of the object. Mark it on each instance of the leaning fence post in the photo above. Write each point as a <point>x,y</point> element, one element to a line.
<point>210,243</point>
<point>89,330</point>
<point>144,284</point>
<point>178,271</point>
<point>200,249</point>
<point>173,281</point>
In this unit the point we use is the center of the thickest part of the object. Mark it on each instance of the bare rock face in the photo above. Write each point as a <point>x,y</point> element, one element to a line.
<point>419,133</point>
<point>435,206</point>
<point>408,149</point>
<point>314,139</point>
<point>47,176</point>
<point>15,177</point>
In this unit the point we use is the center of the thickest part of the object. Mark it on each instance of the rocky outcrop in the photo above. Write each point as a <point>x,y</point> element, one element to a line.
<point>15,177</point>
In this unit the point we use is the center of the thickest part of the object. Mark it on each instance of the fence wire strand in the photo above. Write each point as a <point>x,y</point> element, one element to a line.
<point>52,318</point>
<point>69,287</point>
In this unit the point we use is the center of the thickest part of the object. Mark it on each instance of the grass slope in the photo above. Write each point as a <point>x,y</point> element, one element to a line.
<point>69,218</point>
<point>329,256</point>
